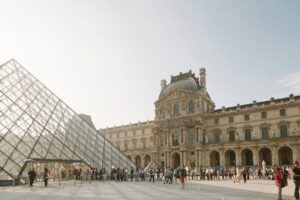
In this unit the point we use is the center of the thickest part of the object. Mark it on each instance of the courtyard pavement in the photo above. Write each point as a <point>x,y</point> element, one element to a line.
<point>204,190</point>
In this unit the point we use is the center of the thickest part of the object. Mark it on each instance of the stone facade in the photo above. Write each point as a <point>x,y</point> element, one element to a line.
<point>189,131</point>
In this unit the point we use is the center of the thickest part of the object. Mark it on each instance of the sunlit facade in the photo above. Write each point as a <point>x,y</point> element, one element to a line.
<point>189,131</point>
<point>37,126</point>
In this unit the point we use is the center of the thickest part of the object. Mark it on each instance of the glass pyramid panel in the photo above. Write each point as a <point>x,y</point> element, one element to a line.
<point>36,124</point>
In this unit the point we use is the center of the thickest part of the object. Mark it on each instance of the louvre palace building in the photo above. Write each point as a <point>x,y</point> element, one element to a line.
<point>189,131</point>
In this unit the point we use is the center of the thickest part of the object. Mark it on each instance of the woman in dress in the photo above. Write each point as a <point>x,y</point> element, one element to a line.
<point>278,180</point>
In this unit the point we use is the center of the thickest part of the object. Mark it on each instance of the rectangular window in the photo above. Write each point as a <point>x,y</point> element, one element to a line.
<point>161,139</point>
<point>247,117</point>
<point>191,138</point>
<point>247,134</point>
<point>282,112</point>
<point>283,131</point>
<point>231,136</point>
<point>265,132</point>
<point>230,119</point>
<point>264,115</point>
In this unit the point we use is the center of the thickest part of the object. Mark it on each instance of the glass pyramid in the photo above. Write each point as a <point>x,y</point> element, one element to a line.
<point>36,125</point>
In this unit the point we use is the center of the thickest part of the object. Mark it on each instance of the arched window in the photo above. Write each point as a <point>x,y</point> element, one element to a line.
<point>176,109</point>
<point>191,106</point>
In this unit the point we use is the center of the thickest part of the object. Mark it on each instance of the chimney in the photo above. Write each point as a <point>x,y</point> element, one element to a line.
<point>203,79</point>
<point>163,84</point>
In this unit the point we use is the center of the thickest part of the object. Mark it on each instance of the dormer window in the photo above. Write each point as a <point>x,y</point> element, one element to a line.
<point>282,112</point>
<point>246,117</point>
<point>230,119</point>
<point>264,115</point>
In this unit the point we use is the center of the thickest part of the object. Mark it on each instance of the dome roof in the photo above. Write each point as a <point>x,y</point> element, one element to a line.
<point>188,84</point>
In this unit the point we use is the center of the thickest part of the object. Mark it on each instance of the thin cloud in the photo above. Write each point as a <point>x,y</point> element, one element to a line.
<point>290,82</point>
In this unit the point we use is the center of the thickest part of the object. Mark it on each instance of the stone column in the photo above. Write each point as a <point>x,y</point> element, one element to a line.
<point>274,155</point>
<point>255,156</point>
<point>200,136</point>
<point>197,159</point>
<point>168,159</point>
<point>181,159</point>
<point>184,158</point>
<point>238,156</point>
<point>295,152</point>
<point>222,157</point>
<point>143,161</point>
<point>184,136</point>
<point>200,157</point>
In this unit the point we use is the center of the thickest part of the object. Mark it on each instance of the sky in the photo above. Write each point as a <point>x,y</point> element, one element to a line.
<point>107,58</point>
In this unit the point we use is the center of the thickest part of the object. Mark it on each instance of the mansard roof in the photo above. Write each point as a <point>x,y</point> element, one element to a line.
<point>272,101</point>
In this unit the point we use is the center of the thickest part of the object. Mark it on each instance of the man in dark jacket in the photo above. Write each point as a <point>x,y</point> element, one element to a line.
<point>32,176</point>
<point>296,177</point>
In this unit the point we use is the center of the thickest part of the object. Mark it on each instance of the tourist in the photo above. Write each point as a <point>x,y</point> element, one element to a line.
<point>285,175</point>
<point>131,173</point>
<point>278,182</point>
<point>244,172</point>
<point>296,178</point>
<point>175,175</point>
<point>151,172</point>
<point>45,176</point>
<point>32,176</point>
<point>182,175</point>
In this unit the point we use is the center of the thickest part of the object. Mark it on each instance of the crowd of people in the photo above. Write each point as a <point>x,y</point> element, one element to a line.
<point>169,175</point>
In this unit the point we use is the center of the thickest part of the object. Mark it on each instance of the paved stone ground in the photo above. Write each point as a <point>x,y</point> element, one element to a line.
<point>204,190</point>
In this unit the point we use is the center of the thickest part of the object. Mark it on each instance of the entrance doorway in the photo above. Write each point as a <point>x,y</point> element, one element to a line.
<point>266,155</point>
<point>138,161</point>
<point>285,156</point>
<point>214,158</point>
<point>176,160</point>
<point>230,158</point>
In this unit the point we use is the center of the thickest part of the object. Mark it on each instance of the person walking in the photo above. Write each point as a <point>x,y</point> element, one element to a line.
<point>131,173</point>
<point>182,175</point>
<point>244,172</point>
<point>151,172</point>
<point>278,181</point>
<point>45,176</point>
<point>32,176</point>
<point>296,178</point>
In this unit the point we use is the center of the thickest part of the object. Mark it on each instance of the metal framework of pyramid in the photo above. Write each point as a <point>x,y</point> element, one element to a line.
<point>36,124</point>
